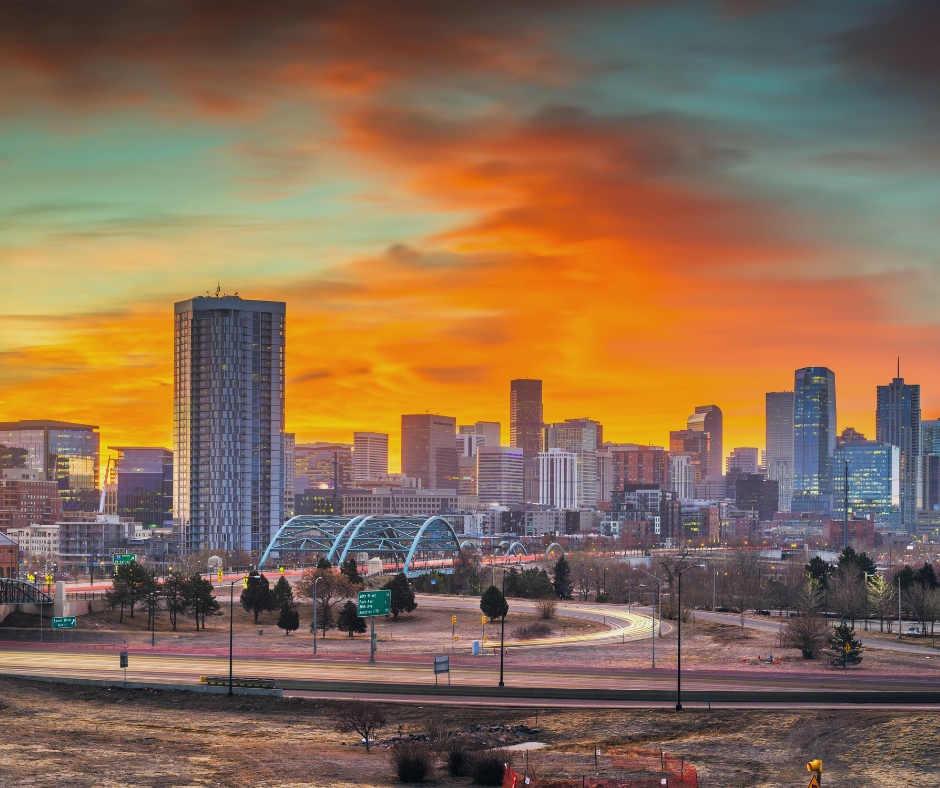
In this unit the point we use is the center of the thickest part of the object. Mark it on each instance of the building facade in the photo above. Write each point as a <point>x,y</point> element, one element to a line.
<point>694,445</point>
<point>814,439</point>
<point>743,459</point>
<point>897,421</point>
<point>500,475</point>
<point>635,464</point>
<point>753,492</point>
<point>406,502</point>
<point>525,428</point>
<point>874,477</point>
<point>779,437</point>
<point>708,419</point>
<point>323,466</point>
<point>429,451</point>
<point>558,479</point>
<point>27,498</point>
<point>682,476</point>
<point>581,437</point>
<point>489,430</point>
<point>228,422</point>
<point>59,451</point>
<point>370,456</point>
<point>290,481</point>
<point>144,482</point>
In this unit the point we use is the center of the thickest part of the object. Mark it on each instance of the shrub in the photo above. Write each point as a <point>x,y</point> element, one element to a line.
<point>536,630</point>
<point>602,598</point>
<point>412,761</point>
<point>546,608</point>
<point>486,767</point>
<point>457,756</point>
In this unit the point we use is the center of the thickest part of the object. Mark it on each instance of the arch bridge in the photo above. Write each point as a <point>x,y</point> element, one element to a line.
<point>402,539</point>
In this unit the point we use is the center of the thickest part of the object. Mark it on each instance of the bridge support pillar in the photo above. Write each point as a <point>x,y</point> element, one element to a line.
<point>60,606</point>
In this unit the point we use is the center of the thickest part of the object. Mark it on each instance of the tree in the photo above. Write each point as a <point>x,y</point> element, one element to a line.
<point>351,571</point>
<point>136,580</point>
<point>493,603</point>
<point>117,595</point>
<point>173,591</point>
<point>324,565</point>
<point>349,620</point>
<point>810,597</point>
<point>403,598</point>
<point>257,597</point>
<point>282,592</point>
<point>850,561</point>
<point>359,717</point>
<point>331,588</point>
<point>466,576</point>
<point>820,571</point>
<point>199,599</point>
<point>561,578</point>
<point>882,599</point>
<point>847,595</point>
<point>844,648</point>
<point>807,632</point>
<point>289,620</point>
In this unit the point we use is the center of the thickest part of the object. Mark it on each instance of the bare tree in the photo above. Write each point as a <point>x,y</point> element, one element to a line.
<point>744,585</point>
<point>331,589</point>
<point>355,716</point>
<point>882,599</point>
<point>806,632</point>
<point>847,595</point>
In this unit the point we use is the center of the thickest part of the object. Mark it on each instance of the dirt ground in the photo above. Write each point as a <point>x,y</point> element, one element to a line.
<point>55,735</point>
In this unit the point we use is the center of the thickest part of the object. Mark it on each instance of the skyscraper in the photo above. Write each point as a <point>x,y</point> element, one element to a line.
<point>743,459</point>
<point>228,422</point>
<point>429,450</point>
<point>525,428</point>
<point>779,435</point>
<point>582,438</point>
<point>58,451</point>
<point>708,418</point>
<point>499,475</point>
<point>290,468</point>
<point>558,479</point>
<point>145,485</point>
<point>874,471</point>
<point>814,439</point>
<point>370,456</point>
<point>897,421</point>
<point>682,476</point>
<point>490,430</point>
<point>694,444</point>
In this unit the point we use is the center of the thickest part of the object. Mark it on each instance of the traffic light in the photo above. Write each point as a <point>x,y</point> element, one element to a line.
<point>245,582</point>
<point>483,620</point>
<point>456,638</point>
<point>280,569</point>
<point>453,620</point>
<point>814,766</point>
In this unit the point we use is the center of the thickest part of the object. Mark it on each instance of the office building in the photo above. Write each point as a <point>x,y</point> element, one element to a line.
<point>428,450</point>
<point>144,485</point>
<point>370,456</point>
<point>323,466</point>
<point>525,428</point>
<point>930,436</point>
<point>849,435</point>
<point>558,478</point>
<point>58,451</point>
<point>468,443</point>
<point>500,475</point>
<point>682,476</point>
<point>407,502</point>
<point>228,423</point>
<point>693,444</point>
<point>9,557</point>
<point>753,492</point>
<point>27,498</point>
<point>708,419</point>
<point>581,437</point>
<point>489,430</point>
<point>635,464</point>
<point>874,475</point>
<point>743,459</point>
<point>779,437</point>
<point>290,481</point>
<point>897,421</point>
<point>814,439</point>
<point>606,480</point>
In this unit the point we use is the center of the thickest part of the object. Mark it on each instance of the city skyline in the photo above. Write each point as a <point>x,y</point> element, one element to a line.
<point>454,200</point>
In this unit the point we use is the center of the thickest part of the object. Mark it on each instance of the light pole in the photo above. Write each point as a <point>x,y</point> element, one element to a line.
<point>679,637</point>
<point>502,633</point>
<point>659,586</point>
<point>313,626</point>
<point>231,627</point>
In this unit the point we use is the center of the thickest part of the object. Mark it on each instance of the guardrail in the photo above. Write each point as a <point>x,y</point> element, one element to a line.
<point>239,681</point>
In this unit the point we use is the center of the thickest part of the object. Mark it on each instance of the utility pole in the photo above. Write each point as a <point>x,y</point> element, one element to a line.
<point>845,540</point>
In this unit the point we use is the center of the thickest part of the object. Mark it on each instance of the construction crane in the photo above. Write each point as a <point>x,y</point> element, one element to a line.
<point>104,486</point>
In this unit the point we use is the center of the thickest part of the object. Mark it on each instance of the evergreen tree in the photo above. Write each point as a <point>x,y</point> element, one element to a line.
<point>257,597</point>
<point>351,571</point>
<point>289,620</point>
<point>282,592</point>
<point>849,560</point>
<point>136,580</point>
<point>325,618</point>
<point>324,565</point>
<point>173,591</point>
<point>820,571</point>
<point>493,603</point>
<point>117,596</point>
<point>349,620</point>
<point>199,600</point>
<point>844,648</point>
<point>562,578</point>
<point>403,598</point>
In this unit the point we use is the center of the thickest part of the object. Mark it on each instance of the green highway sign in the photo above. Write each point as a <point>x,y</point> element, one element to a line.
<point>65,622</point>
<point>128,558</point>
<point>375,603</point>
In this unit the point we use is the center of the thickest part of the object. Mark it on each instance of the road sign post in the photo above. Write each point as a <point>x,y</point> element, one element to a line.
<point>124,558</point>
<point>372,604</point>
<point>442,665</point>
<point>64,622</point>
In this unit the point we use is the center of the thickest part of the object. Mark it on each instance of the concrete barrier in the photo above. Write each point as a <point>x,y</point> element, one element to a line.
<point>209,688</point>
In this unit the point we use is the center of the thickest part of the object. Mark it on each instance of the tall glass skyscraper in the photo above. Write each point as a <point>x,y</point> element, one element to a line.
<point>897,421</point>
<point>228,422</point>
<point>874,472</point>
<point>814,439</point>
<point>708,418</point>
<point>145,484</point>
<point>779,436</point>
<point>525,429</point>
<point>60,451</point>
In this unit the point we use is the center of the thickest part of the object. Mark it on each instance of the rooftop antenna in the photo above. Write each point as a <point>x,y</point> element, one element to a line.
<point>899,366</point>
<point>218,289</point>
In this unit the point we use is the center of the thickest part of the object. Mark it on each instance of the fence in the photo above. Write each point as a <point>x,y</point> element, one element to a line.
<point>666,771</point>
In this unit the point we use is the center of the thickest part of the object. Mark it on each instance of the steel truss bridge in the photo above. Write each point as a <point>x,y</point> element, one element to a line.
<point>19,592</point>
<point>401,539</point>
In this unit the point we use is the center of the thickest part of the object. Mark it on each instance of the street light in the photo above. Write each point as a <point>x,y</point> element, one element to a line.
<point>313,626</point>
<point>679,637</point>
<point>231,626</point>
<point>659,585</point>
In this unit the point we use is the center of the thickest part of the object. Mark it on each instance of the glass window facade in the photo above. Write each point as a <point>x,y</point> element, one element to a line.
<point>145,485</point>
<point>897,421</point>
<point>874,474</point>
<point>814,439</point>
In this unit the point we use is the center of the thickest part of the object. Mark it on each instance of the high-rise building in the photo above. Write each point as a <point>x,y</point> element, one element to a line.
<point>145,485</point>
<point>606,481</point>
<point>490,430</point>
<point>581,437</point>
<point>694,444</point>
<point>290,480</point>
<point>930,436</point>
<point>428,450</point>
<point>874,473</point>
<point>228,422</point>
<point>849,435</point>
<point>58,451</point>
<point>779,453</point>
<point>708,418</point>
<point>558,478</point>
<point>928,468</point>
<point>682,476</point>
<point>323,466</point>
<point>636,464</point>
<point>743,459</point>
<point>752,492</point>
<point>897,421</point>
<point>468,443</point>
<point>814,439</point>
<point>370,456</point>
<point>499,475</point>
<point>525,428</point>
<point>27,498</point>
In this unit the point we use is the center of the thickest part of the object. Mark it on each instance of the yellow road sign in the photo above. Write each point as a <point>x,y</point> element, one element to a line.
<point>814,782</point>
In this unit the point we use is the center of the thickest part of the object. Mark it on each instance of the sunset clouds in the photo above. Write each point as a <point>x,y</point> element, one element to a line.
<point>650,205</point>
